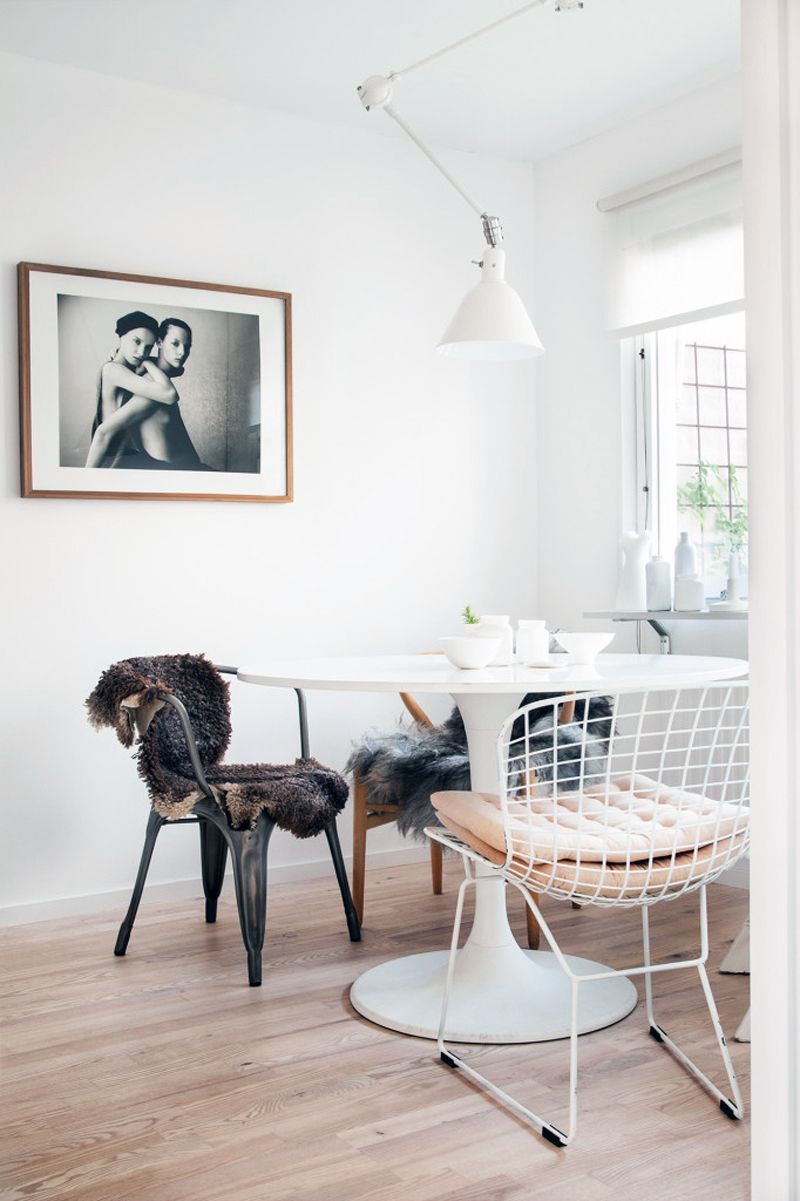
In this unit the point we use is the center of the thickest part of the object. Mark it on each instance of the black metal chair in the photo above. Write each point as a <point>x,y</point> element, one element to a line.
<point>179,757</point>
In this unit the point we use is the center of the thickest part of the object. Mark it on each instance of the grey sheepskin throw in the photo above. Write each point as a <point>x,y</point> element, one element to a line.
<point>403,768</point>
<point>581,749</point>
<point>302,797</point>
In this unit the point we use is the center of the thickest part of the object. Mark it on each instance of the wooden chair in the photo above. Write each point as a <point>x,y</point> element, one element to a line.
<point>368,815</point>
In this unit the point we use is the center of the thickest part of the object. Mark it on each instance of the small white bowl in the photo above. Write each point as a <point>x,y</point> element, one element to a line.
<point>583,647</point>
<point>469,651</point>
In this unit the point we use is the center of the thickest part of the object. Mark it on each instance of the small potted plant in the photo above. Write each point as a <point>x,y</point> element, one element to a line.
<point>469,618</point>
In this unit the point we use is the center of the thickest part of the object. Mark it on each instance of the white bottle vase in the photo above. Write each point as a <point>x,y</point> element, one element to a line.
<point>632,588</point>
<point>659,585</point>
<point>685,557</point>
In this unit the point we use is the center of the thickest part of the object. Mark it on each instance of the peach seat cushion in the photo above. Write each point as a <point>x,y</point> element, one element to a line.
<point>661,826</point>
<point>611,881</point>
<point>630,817</point>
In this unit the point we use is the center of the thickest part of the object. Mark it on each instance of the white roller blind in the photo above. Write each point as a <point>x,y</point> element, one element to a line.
<point>677,253</point>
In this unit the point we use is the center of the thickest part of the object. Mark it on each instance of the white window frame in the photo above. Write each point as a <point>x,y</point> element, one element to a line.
<point>655,371</point>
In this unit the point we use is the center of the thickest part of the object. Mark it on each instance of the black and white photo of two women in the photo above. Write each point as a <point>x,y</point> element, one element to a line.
<point>146,388</point>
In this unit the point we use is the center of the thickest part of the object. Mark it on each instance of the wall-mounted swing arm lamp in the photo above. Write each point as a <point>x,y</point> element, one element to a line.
<point>491,322</point>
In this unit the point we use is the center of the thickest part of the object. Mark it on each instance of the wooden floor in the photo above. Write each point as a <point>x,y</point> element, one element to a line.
<point>164,1077</point>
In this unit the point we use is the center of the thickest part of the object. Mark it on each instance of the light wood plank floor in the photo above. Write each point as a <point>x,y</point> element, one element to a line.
<point>164,1077</point>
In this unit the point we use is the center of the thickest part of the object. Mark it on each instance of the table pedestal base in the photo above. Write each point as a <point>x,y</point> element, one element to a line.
<point>517,997</point>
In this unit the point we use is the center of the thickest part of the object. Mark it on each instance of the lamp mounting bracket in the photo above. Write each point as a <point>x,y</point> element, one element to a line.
<point>375,92</point>
<point>492,229</point>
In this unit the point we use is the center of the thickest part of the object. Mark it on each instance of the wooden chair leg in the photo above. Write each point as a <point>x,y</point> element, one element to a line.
<point>534,933</point>
<point>359,845</point>
<point>436,867</point>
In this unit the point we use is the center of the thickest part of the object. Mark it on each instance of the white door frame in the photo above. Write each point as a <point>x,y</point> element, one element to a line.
<point>771,156</point>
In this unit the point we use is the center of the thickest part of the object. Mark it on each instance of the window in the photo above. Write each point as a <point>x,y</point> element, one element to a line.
<point>676,292</point>
<point>692,436</point>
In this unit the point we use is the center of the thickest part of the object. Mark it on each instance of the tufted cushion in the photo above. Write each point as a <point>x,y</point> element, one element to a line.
<point>632,818</point>
<point>620,882</point>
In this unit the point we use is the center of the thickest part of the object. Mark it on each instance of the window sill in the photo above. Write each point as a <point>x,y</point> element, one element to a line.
<point>672,615</point>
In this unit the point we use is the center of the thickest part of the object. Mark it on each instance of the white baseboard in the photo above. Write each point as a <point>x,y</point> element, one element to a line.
<point>117,900</point>
<point>737,876</point>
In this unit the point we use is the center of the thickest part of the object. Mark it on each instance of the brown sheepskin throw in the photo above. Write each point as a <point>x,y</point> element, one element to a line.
<point>302,797</point>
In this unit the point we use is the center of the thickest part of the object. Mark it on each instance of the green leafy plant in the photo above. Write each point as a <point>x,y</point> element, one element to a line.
<point>706,496</point>
<point>733,529</point>
<point>470,619</point>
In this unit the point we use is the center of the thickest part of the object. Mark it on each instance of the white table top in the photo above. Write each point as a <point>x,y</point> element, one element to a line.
<point>433,673</point>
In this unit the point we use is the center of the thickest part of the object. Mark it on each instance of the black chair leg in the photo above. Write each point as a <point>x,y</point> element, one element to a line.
<point>353,925</point>
<point>249,855</point>
<point>213,857</point>
<point>154,824</point>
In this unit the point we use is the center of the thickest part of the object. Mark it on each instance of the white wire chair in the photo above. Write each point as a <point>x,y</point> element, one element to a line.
<point>627,808</point>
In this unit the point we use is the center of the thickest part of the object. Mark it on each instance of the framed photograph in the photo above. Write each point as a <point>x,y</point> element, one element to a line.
<point>142,388</point>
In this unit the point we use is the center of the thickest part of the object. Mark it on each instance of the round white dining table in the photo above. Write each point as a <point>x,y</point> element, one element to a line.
<point>501,993</point>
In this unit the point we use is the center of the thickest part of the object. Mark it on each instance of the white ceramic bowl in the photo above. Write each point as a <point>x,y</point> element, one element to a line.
<point>583,647</point>
<point>468,651</point>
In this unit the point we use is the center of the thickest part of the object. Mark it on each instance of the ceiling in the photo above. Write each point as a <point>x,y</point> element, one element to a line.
<point>543,81</point>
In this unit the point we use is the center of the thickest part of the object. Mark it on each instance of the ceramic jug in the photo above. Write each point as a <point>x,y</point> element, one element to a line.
<point>632,588</point>
<point>533,641</point>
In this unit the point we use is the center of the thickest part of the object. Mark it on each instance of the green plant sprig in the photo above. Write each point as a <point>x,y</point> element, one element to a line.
<point>469,617</point>
<point>705,495</point>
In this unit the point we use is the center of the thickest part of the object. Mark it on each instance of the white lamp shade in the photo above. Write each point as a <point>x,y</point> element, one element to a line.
<point>491,322</point>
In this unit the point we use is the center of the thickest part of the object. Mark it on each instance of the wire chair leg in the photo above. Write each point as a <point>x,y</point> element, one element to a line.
<point>444,1054</point>
<point>732,1107</point>
<point>648,976</point>
<point>546,1129</point>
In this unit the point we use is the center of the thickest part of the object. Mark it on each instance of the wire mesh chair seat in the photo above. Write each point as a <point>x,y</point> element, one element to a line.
<point>629,811</point>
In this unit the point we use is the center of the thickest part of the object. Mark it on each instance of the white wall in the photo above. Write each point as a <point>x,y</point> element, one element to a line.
<point>580,406</point>
<point>414,484</point>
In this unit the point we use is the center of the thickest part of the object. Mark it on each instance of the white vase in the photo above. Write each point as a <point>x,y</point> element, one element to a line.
<point>632,588</point>
<point>690,594</point>
<point>685,557</point>
<point>734,584</point>
<point>659,585</point>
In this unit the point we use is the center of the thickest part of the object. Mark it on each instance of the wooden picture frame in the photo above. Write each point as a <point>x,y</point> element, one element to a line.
<point>214,417</point>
